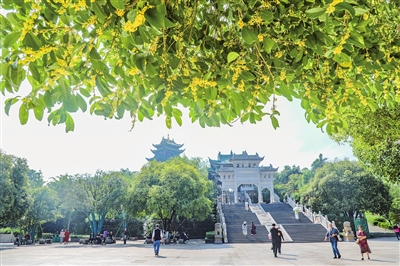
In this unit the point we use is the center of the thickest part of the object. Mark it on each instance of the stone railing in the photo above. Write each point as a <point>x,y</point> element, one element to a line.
<point>7,238</point>
<point>222,221</point>
<point>317,218</point>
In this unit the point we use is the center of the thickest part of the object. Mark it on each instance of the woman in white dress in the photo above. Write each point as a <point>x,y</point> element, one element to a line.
<point>244,228</point>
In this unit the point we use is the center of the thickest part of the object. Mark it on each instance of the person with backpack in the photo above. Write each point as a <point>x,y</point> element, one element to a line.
<point>157,238</point>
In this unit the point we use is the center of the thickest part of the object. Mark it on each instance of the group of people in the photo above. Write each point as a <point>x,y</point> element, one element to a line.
<point>333,235</point>
<point>253,229</point>
<point>101,238</point>
<point>64,236</point>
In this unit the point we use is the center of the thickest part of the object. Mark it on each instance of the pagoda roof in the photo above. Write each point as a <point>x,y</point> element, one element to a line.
<point>245,156</point>
<point>167,142</point>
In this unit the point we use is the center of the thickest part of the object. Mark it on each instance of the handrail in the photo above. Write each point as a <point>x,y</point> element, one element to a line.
<point>222,220</point>
<point>318,218</point>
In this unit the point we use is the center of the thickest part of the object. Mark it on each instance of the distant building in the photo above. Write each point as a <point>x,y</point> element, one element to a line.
<point>241,173</point>
<point>165,150</point>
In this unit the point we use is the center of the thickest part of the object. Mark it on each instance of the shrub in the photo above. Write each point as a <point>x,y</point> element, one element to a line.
<point>210,234</point>
<point>385,225</point>
<point>47,235</point>
<point>378,220</point>
<point>7,230</point>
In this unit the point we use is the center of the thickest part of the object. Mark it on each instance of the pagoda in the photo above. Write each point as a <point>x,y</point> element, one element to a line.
<point>165,150</point>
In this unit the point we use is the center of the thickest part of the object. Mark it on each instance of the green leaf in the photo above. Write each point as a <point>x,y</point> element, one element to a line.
<point>69,123</point>
<point>102,86</point>
<point>269,44</point>
<point>249,36</point>
<point>315,12</point>
<point>357,39</point>
<point>99,11</point>
<point>155,18</point>
<point>32,41</point>
<point>178,118</point>
<point>118,4</point>
<point>11,39</point>
<point>94,55</point>
<point>275,122</point>
<point>38,111</point>
<point>347,7</point>
<point>16,76</point>
<point>232,56</point>
<point>81,102</point>
<point>34,71</point>
<point>9,103</point>
<point>267,16</point>
<point>48,100</point>
<point>23,114</point>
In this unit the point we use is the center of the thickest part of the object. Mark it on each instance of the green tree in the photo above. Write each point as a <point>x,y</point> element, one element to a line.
<point>64,187</point>
<point>318,163</point>
<point>170,191</point>
<point>224,60</point>
<point>14,195</point>
<point>375,139</point>
<point>394,213</point>
<point>42,209</point>
<point>345,189</point>
<point>98,195</point>
<point>35,178</point>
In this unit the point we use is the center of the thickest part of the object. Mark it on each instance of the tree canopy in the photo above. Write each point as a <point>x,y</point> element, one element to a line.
<point>375,139</point>
<point>344,188</point>
<point>223,60</point>
<point>14,194</point>
<point>170,191</point>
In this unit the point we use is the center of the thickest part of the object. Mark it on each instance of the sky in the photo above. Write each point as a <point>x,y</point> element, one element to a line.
<point>99,144</point>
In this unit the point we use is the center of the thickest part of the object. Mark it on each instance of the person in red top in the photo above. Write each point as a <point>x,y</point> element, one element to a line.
<point>66,237</point>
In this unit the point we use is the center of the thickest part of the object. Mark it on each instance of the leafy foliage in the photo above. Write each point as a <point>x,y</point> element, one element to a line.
<point>170,191</point>
<point>14,194</point>
<point>344,189</point>
<point>223,60</point>
<point>375,139</point>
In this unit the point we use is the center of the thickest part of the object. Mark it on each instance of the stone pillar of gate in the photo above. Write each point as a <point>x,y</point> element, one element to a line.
<point>260,197</point>
<point>271,191</point>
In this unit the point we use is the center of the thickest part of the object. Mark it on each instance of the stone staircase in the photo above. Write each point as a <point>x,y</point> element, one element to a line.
<point>302,230</point>
<point>234,216</point>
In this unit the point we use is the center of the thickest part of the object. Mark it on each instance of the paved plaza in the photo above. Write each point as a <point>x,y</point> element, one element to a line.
<point>385,251</point>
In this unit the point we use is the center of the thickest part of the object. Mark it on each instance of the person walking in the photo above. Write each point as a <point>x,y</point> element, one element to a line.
<point>275,239</point>
<point>157,238</point>
<point>66,237</point>
<point>62,235</point>
<point>125,235</point>
<point>362,242</point>
<point>396,230</point>
<point>253,229</point>
<point>244,228</point>
<point>19,239</point>
<point>332,235</point>
<point>246,206</point>
<point>280,239</point>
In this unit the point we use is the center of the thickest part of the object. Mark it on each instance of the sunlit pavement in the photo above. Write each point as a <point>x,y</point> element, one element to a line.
<point>385,251</point>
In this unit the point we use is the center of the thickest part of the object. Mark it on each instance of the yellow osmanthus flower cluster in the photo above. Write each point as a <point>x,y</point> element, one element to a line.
<point>283,75</point>
<point>168,94</point>
<point>199,83</point>
<point>240,23</point>
<point>133,71</point>
<point>256,20</point>
<point>91,22</point>
<point>81,5</point>
<point>331,7</point>
<point>31,56</point>
<point>339,48</point>
<point>139,20</point>
<point>120,12</point>
<point>237,68</point>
